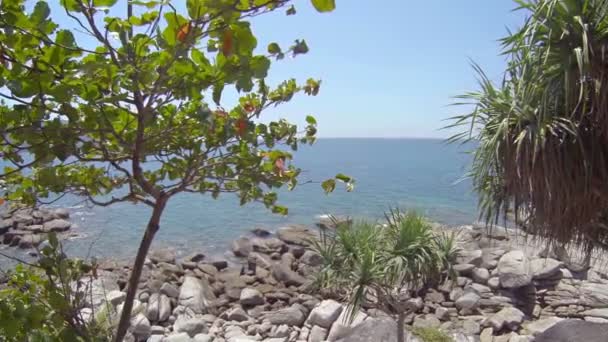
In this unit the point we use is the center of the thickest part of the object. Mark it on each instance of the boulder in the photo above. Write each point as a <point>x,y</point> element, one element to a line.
<point>464,269</point>
<point>507,318</point>
<point>189,325</point>
<point>480,275</point>
<point>600,313</point>
<point>514,270</point>
<point>162,255</point>
<point>267,245</point>
<point>284,274</point>
<point>196,294</point>
<point>159,308</point>
<point>260,232</point>
<point>344,324</point>
<point>317,334</point>
<point>325,314</point>
<point>574,330</point>
<point>34,228</point>
<point>56,225</point>
<point>296,235</point>
<point>140,326</point>
<point>544,268</point>
<point>292,316</point>
<point>30,241</point>
<point>414,304</point>
<point>203,338</point>
<point>468,301</point>
<point>61,213</point>
<point>473,257</point>
<point>241,247</point>
<point>116,297</point>
<point>235,314</point>
<point>170,290</point>
<point>251,297</point>
<point>311,258</point>
<point>178,337</point>
<point>538,327</point>
<point>381,329</point>
<point>261,260</point>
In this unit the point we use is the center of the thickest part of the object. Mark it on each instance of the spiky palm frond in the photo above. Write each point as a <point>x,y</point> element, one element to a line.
<point>377,262</point>
<point>543,133</point>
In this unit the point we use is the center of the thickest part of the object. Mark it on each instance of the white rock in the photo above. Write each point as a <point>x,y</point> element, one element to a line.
<point>251,297</point>
<point>140,326</point>
<point>538,327</point>
<point>189,325</point>
<point>514,270</point>
<point>179,337</point>
<point>325,314</point>
<point>600,313</point>
<point>509,318</point>
<point>170,290</point>
<point>468,301</point>
<point>544,268</point>
<point>195,294</point>
<point>317,334</point>
<point>279,331</point>
<point>116,297</point>
<point>203,338</point>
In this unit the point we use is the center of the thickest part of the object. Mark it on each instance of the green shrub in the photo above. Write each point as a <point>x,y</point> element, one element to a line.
<point>43,301</point>
<point>431,335</point>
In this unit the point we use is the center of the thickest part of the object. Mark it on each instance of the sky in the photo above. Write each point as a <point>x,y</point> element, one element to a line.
<point>388,68</point>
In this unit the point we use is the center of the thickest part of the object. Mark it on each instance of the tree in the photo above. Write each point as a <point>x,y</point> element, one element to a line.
<point>131,108</point>
<point>542,133</point>
<point>383,265</point>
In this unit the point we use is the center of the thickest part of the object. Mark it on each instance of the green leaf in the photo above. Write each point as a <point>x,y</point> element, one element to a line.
<point>260,66</point>
<point>53,240</point>
<point>311,120</point>
<point>217,92</point>
<point>274,48</point>
<point>41,12</point>
<point>277,209</point>
<point>65,38</point>
<point>329,185</point>
<point>324,5</point>
<point>342,177</point>
<point>195,8</point>
<point>104,3</point>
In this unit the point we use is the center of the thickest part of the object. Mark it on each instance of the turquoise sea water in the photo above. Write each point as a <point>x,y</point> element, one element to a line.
<point>423,174</point>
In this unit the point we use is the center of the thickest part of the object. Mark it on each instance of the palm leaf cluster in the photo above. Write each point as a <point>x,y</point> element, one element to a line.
<point>382,264</point>
<point>543,132</point>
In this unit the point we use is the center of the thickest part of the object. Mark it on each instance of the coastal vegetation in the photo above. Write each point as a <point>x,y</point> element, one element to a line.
<point>128,107</point>
<point>542,131</point>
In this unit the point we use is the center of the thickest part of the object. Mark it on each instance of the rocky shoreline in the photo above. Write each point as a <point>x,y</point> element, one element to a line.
<point>504,293</point>
<point>28,227</point>
<point>507,290</point>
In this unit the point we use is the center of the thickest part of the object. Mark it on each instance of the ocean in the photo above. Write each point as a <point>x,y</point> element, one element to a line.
<point>422,174</point>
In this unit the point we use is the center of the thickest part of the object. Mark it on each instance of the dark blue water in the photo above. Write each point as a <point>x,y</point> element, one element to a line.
<point>408,173</point>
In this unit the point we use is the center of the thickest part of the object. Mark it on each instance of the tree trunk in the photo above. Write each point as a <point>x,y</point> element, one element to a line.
<point>401,327</point>
<point>142,252</point>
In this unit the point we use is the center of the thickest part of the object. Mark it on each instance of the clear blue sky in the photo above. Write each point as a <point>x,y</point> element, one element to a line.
<point>389,68</point>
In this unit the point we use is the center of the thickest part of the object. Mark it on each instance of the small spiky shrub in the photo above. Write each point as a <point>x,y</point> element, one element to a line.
<point>381,265</point>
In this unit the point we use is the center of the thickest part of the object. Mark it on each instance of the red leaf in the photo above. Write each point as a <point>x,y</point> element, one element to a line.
<point>227,42</point>
<point>183,32</point>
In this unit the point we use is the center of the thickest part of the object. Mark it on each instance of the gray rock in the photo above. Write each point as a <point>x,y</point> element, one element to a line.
<point>311,258</point>
<point>464,269</point>
<point>34,228</point>
<point>203,338</point>
<point>471,327</point>
<point>179,337</point>
<point>317,334</point>
<point>170,290</point>
<point>601,313</point>
<point>57,225</point>
<point>284,274</point>
<point>595,319</point>
<point>251,297</point>
<point>470,257</point>
<point>544,268</point>
<point>468,301</point>
<point>162,255</point>
<point>480,275</point>
<point>116,297</point>
<point>164,308</point>
<point>153,307</point>
<point>494,283</point>
<point>235,314</point>
<point>514,270</point>
<point>325,314</point>
<point>156,338</point>
<point>189,325</point>
<point>268,245</point>
<point>196,294</point>
<point>427,321</point>
<point>442,313</point>
<point>574,330</point>
<point>241,247</point>
<point>30,241</point>
<point>291,316</point>
<point>157,330</point>
<point>414,304</point>
<point>281,331</point>
<point>344,324</point>
<point>140,326</point>
<point>507,318</point>
<point>296,235</point>
<point>374,330</point>
<point>61,213</point>
<point>538,327</point>
<point>261,260</point>
<point>486,335</point>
